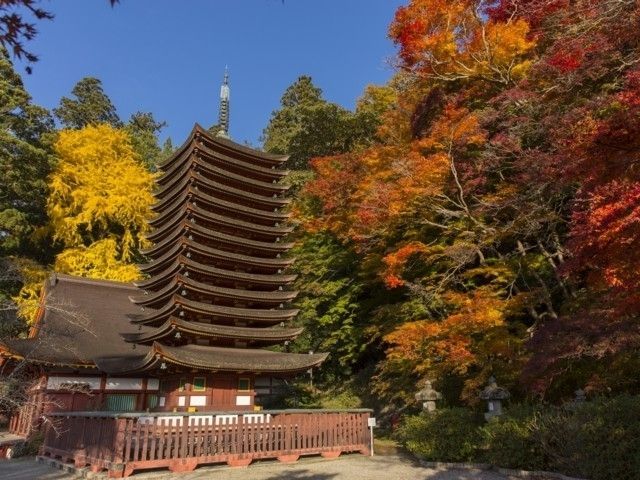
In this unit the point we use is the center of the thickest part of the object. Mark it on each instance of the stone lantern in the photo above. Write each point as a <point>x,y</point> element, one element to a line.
<point>428,397</point>
<point>581,396</point>
<point>493,395</point>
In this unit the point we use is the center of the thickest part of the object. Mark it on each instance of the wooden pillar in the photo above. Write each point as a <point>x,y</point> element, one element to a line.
<point>141,401</point>
<point>101,395</point>
<point>117,466</point>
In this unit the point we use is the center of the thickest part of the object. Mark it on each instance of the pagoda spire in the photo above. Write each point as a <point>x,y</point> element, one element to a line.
<point>223,115</point>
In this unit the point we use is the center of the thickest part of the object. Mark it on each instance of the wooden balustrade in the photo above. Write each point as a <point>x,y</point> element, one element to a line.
<point>122,443</point>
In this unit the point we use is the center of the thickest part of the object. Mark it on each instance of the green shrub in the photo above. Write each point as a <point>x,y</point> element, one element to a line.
<point>30,447</point>
<point>447,435</point>
<point>599,440</point>
<point>510,441</point>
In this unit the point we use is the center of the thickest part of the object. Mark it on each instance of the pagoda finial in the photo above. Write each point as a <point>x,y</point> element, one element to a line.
<point>223,116</point>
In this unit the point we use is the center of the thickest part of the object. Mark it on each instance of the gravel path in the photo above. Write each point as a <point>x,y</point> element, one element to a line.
<point>348,467</point>
<point>28,469</point>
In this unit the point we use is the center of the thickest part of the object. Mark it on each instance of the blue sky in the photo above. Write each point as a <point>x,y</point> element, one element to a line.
<point>168,56</point>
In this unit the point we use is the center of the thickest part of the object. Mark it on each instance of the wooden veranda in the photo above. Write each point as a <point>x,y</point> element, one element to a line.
<point>124,442</point>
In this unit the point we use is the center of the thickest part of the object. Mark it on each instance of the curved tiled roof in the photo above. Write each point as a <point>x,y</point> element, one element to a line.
<point>222,161</point>
<point>169,256</point>
<point>267,335</point>
<point>185,226</point>
<point>251,153</point>
<point>189,284</point>
<point>213,359</point>
<point>87,320</point>
<point>188,167</point>
<point>188,209</point>
<point>194,194</point>
<point>237,313</point>
<point>215,197</point>
<point>195,179</point>
<point>182,263</point>
<point>198,132</point>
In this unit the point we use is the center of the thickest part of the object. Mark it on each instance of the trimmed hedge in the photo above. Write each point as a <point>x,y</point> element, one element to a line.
<point>598,440</point>
<point>447,435</point>
<point>509,441</point>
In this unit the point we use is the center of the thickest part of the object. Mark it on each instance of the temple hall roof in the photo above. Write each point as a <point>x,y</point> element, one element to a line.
<point>86,323</point>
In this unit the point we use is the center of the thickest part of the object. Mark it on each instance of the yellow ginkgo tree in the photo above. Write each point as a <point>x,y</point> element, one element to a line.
<point>99,203</point>
<point>99,191</point>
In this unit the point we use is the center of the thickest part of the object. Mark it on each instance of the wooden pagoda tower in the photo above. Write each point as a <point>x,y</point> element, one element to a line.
<point>218,292</point>
<point>201,331</point>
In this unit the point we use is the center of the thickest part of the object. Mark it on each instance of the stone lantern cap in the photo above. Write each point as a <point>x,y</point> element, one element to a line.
<point>493,392</point>
<point>428,393</point>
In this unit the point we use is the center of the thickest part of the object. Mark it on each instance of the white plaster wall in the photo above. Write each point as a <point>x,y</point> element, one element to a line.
<point>114,383</point>
<point>198,400</point>
<point>54,382</point>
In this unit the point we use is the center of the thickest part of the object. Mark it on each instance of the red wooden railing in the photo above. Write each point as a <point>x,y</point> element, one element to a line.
<point>122,443</point>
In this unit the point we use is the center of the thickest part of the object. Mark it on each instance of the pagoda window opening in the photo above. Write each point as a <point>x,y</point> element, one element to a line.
<point>199,384</point>
<point>244,384</point>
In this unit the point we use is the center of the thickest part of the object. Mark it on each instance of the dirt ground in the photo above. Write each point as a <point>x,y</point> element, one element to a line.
<point>347,467</point>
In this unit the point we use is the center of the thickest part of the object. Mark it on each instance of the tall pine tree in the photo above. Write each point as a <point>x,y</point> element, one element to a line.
<point>307,126</point>
<point>25,161</point>
<point>90,106</point>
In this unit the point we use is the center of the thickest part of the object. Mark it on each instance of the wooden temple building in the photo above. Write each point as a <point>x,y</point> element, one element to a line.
<point>195,334</point>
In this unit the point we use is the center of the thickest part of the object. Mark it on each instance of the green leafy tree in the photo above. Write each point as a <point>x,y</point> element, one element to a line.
<point>143,130</point>
<point>167,149</point>
<point>25,161</point>
<point>307,126</point>
<point>328,301</point>
<point>90,106</point>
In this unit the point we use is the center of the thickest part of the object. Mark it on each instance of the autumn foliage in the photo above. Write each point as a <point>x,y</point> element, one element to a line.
<point>98,206</point>
<point>500,205</point>
<point>99,191</point>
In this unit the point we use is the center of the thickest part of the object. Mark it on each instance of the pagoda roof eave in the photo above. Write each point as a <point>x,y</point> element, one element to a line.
<point>259,155</point>
<point>185,226</point>
<point>174,324</point>
<point>197,195</point>
<point>198,131</point>
<point>169,256</point>
<point>209,154</point>
<point>178,151</point>
<point>218,359</point>
<point>180,281</point>
<point>195,178</point>
<point>181,261</point>
<point>188,167</point>
<point>202,214</point>
<point>261,315</point>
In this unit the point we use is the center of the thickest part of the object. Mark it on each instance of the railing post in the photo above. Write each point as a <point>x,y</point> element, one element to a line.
<point>117,460</point>
<point>121,443</point>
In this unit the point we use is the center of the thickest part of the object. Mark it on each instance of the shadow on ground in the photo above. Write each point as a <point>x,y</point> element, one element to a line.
<point>28,469</point>
<point>304,474</point>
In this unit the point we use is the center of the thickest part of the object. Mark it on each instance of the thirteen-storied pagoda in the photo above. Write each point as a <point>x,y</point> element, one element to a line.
<point>194,334</point>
